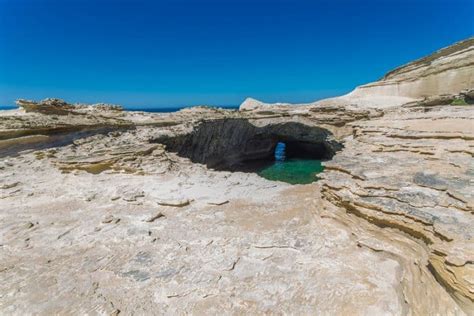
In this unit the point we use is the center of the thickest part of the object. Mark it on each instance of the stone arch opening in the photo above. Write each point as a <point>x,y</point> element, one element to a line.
<point>279,154</point>
<point>242,145</point>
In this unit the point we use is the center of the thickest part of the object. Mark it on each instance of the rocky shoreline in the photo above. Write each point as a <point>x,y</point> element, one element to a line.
<point>123,212</point>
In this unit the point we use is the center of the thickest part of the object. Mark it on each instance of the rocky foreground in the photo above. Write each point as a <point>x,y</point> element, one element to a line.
<point>104,211</point>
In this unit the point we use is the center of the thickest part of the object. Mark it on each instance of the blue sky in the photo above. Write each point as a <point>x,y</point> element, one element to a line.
<point>182,52</point>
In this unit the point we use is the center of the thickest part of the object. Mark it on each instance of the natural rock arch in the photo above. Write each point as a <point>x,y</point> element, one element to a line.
<point>224,144</point>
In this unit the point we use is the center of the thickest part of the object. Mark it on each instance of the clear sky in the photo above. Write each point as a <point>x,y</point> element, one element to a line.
<point>183,52</point>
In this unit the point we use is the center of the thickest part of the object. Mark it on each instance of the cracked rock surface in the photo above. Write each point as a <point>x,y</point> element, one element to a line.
<point>99,216</point>
<point>413,170</point>
<point>68,246</point>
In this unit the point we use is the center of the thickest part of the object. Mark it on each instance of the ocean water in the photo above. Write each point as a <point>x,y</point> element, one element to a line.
<point>7,107</point>
<point>147,109</point>
<point>176,109</point>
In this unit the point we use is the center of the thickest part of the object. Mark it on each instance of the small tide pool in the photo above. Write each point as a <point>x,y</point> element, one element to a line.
<point>291,170</point>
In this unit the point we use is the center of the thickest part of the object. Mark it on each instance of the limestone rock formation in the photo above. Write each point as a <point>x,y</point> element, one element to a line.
<point>106,211</point>
<point>60,107</point>
<point>412,170</point>
<point>47,106</point>
<point>252,104</point>
<point>447,71</point>
<point>229,142</point>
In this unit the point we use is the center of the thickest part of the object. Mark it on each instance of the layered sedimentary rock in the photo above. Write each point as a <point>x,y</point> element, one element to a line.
<point>107,211</point>
<point>61,107</point>
<point>229,142</point>
<point>448,71</point>
<point>52,116</point>
<point>253,104</point>
<point>47,106</point>
<point>412,170</point>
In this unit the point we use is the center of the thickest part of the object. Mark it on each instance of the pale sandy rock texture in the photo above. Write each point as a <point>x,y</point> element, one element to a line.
<point>253,104</point>
<point>112,212</point>
<point>448,71</point>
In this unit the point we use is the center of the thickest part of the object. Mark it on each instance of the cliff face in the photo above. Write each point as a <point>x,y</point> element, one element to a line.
<point>411,170</point>
<point>448,71</point>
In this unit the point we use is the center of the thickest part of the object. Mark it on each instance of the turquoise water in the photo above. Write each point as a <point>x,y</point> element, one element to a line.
<point>293,171</point>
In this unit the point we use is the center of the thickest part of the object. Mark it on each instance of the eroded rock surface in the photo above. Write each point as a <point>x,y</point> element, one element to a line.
<point>105,211</point>
<point>447,71</point>
<point>413,170</point>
